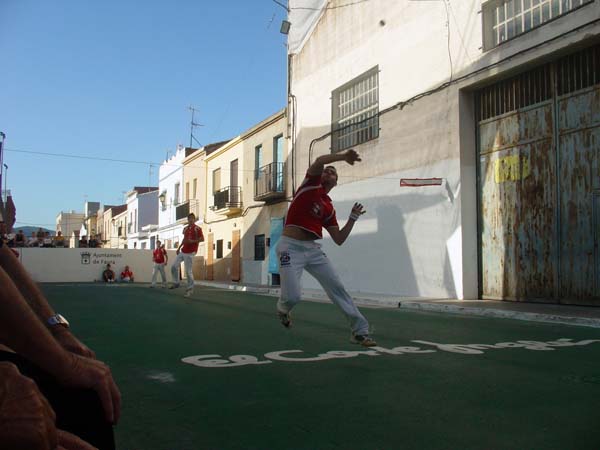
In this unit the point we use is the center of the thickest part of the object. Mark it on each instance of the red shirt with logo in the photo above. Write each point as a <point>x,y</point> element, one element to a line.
<point>127,274</point>
<point>311,209</point>
<point>192,232</point>
<point>158,255</point>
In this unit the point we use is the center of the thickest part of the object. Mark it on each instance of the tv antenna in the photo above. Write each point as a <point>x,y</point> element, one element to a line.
<point>192,125</point>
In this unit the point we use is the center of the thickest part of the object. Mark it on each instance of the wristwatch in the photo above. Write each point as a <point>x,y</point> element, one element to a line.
<point>57,319</point>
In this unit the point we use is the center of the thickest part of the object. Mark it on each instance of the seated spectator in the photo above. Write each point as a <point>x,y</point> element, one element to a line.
<point>47,242</point>
<point>20,239</point>
<point>108,275</point>
<point>59,240</point>
<point>127,275</point>
<point>98,241</point>
<point>40,237</point>
<point>33,241</point>
<point>49,377</point>
<point>83,242</point>
<point>92,243</point>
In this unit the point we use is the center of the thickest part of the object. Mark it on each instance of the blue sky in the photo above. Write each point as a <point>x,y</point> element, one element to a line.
<point>114,79</point>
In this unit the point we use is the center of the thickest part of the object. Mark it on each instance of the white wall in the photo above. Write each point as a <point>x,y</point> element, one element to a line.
<point>56,265</point>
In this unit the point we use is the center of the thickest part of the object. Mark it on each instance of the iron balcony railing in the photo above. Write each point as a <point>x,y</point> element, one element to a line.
<point>228,197</point>
<point>182,210</point>
<point>269,181</point>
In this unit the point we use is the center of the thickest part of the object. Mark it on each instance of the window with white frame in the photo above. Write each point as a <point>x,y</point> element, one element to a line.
<point>176,194</point>
<point>257,160</point>
<point>355,111</point>
<point>216,180</point>
<point>505,19</point>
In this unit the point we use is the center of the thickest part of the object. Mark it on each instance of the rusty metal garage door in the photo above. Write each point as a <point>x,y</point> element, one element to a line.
<point>539,183</point>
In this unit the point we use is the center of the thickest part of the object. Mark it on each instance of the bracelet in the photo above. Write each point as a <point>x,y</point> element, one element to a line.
<point>354,216</point>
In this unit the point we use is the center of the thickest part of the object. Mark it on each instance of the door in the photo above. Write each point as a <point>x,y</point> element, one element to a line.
<point>236,260</point>
<point>210,256</point>
<point>538,147</point>
<point>578,125</point>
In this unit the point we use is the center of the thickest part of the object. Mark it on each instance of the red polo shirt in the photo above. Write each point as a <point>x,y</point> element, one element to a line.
<point>192,232</point>
<point>158,255</point>
<point>311,209</point>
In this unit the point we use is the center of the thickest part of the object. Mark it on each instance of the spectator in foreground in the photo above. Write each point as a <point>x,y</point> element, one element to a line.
<point>49,380</point>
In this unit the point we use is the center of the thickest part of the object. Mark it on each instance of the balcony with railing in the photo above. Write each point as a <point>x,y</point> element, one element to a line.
<point>269,182</point>
<point>182,210</point>
<point>227,201</point>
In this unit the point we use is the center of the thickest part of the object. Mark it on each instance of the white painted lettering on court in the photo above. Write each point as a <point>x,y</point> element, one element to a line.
<point>217,361</point>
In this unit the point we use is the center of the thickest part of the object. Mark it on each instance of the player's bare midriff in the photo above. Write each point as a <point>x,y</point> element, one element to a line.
<point>298,233</point>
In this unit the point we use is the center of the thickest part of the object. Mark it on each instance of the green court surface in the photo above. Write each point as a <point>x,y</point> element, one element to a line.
<point>506,397</point>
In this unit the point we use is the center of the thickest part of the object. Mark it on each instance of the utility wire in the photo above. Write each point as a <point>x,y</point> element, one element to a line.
<point>288,9</point>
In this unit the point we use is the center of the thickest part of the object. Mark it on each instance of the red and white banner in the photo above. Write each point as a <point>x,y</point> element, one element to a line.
<point>418,182</point>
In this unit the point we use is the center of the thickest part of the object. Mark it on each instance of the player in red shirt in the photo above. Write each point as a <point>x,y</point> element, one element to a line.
<point>192,236</point>
<point>310,211</point>
<point>160,259</point>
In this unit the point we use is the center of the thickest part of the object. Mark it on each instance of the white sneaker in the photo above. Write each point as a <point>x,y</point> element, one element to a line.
<point>187,294</point>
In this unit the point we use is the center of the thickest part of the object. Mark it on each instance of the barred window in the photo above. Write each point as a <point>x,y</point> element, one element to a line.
<point>259,247</point>
<point>505,19</point>
<point>355,111</point>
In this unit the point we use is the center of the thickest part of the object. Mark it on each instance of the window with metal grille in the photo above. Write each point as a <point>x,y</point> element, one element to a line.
<point>514,93</point>
<point>355,111</point>
<point>574,72</point>
<point>259,247</point>
<point>505,19</point>
<point>578,71</point>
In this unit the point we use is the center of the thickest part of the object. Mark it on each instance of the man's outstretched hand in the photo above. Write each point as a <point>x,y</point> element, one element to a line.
<point>351,156</point>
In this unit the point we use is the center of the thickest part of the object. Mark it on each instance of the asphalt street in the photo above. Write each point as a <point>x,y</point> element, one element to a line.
<point>218,371</point>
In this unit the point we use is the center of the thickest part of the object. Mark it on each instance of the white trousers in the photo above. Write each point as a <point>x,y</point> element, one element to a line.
<point>159,268</point>
<point>294,257</point>
<point>188,261</point>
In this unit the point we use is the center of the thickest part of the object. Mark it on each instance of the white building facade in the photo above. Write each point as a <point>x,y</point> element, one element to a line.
<point>68,222</point>
<point>142,210</point>
<point>169,197</point>
<point>473,120</point>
